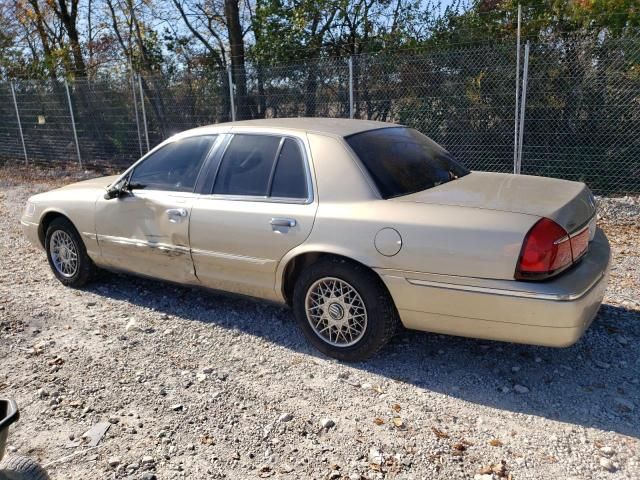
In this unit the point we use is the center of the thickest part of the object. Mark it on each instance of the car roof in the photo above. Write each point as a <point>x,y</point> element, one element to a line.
<point>341,127</point>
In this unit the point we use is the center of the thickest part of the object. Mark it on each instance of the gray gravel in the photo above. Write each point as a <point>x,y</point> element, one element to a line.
<point>196,384</point>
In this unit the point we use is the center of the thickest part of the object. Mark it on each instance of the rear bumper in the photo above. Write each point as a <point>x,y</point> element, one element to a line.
<point>553,313</point>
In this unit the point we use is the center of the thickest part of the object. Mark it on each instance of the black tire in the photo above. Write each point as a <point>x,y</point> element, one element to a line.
<point>85,267</point>
<point>382,316</point>
<point>16,467</point>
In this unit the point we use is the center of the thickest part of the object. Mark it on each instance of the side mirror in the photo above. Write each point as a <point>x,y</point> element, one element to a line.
<point>112,193</point>
<point>117,191</point>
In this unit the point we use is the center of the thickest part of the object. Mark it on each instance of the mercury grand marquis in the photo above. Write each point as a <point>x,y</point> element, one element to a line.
<point>359,226</point>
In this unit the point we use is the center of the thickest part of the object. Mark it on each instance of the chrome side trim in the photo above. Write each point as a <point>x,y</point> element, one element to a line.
<point>178,197</point>
<point>25,223</point>
<point>179,249</point>
<point>163,247</point>
<point>90,236</point>
<point>254,198</point>
<point>230,256</point>
<point>561,297</point>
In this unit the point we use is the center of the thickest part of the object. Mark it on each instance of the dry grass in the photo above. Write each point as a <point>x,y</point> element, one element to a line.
<point>56,175</point>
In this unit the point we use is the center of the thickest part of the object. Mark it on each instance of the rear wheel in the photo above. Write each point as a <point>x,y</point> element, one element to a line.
<point>67,254</point>
<point>343,309</point>
<point>17,467</point>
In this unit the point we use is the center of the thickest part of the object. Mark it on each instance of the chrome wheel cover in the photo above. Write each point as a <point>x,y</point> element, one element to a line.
<point>64,253</point>
<point>336,312</point>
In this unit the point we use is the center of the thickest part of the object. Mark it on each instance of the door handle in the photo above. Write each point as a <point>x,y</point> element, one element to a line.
<point>177,212</point>
<point>283,222</point>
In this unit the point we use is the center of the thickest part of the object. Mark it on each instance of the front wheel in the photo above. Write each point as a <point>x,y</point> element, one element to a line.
<point>67,254</point>
<point>344,310</point>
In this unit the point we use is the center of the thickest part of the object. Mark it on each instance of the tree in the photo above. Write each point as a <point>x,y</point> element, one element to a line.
<point>236,48</point>
<point>67,12</point>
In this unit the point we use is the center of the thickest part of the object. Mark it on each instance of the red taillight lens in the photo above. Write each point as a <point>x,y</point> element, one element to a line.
<point>579,244</point>
<point>546,250</point>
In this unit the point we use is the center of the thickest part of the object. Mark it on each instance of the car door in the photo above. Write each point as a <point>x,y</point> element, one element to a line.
<point>260,206</point>
<point>146,230</point>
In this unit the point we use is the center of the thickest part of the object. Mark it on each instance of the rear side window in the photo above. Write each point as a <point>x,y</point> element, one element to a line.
<point>174,167</point>
<point>246,165</point>
<point>264,166</point>
<point>289,179</point>
<point>402,160</point>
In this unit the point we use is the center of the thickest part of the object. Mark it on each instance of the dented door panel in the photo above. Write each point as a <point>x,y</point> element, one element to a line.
<point>147,232</point>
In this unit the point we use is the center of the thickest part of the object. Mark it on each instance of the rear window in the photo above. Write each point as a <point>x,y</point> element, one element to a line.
<point>402,160</point>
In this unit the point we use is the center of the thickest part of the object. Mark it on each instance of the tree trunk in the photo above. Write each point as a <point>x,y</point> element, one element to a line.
<point>236,44</point>
<point>68,19</point>
<point>44,39</point>
<point>311,87</point>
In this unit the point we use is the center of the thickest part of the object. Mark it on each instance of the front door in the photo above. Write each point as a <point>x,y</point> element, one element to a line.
<point>260,207</point>
<point>146,230</point>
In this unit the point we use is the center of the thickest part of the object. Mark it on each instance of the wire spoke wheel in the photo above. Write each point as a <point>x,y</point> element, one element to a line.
<point>336,312</point>
<point>64,253</point>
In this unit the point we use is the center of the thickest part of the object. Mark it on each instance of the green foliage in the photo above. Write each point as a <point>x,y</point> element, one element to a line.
<point>448,71</point>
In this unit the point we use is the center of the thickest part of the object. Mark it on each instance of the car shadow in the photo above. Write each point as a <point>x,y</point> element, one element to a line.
<point>595,383</point>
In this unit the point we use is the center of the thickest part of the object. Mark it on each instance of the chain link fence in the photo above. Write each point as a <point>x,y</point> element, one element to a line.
<point>313,89</point>
<point>581,113</point>
<point>10,144</point>
<point>463,99</point>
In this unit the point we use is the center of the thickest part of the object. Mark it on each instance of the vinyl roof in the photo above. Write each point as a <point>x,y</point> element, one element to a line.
<point>332,126</point>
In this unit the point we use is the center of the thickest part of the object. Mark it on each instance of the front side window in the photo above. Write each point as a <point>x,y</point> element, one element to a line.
<point>174,167</point>
<point>401,160</point>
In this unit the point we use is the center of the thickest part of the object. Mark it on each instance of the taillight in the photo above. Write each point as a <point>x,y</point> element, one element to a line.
<point>580,243</point>
<point>546,250</point>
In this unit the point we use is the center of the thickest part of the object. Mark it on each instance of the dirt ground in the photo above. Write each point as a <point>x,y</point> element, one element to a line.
<point>196,384</point>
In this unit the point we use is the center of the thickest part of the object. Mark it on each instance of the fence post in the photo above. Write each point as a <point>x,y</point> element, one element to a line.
<point>351,105</point>
<point>144,113</point>
<point>135,108</point>
<point>73,122</point>
<point>515,117</point>
<point>523,103</point>
<point>233,107</point>
<point>15,104</point>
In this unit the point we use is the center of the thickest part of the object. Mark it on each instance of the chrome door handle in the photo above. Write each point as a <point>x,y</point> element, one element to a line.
<point>177,212</point>
<point>283,222</point>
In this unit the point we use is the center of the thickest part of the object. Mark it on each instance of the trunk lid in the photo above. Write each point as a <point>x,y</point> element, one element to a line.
<point>568,203</point>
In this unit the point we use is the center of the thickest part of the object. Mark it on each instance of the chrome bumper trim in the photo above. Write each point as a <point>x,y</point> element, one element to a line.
<point>508,293</point>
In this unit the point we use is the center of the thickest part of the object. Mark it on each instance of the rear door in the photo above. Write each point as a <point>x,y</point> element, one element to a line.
<point>258,206</point>
<point>146,231</point>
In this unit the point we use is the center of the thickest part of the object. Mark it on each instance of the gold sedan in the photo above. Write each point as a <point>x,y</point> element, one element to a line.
<point>357,225</point>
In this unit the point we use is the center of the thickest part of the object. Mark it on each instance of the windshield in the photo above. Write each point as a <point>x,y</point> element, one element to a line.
<point>402,160</point>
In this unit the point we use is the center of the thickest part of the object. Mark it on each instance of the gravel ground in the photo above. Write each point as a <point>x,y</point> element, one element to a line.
<point>196,384</point>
